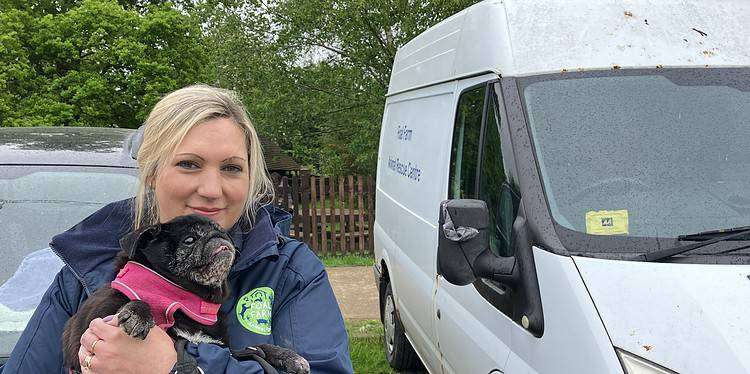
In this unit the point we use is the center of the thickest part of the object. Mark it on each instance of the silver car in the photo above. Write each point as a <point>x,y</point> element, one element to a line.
<point>50,179</point>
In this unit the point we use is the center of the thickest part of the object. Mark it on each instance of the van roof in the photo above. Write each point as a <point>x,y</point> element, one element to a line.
<point>526,37</point>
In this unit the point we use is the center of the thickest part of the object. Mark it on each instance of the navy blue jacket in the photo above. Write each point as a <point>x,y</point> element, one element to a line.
<point>304,314</point>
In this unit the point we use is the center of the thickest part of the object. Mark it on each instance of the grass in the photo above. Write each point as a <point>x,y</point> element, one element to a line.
<point>347,260</point>
<point>366,347</point>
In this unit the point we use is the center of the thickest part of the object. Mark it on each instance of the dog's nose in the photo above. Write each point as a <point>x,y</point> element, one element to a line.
<point>221,248</point>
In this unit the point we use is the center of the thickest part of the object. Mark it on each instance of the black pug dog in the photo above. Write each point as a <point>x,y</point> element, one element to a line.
<point>191,252</point>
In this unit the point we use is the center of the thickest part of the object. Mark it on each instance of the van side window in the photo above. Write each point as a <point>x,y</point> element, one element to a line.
<point>494,188</point>
<point>465,150</point>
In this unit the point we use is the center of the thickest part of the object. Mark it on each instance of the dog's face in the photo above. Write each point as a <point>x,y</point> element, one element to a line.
<point>190,247</point>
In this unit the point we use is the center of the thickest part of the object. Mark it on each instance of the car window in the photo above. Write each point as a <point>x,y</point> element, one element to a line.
<point>37,203</point>
<point>494,188</point>
<point>465,150</point>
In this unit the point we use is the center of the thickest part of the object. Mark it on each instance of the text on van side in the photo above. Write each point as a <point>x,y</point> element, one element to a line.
<point>403,133</point>
<point>406,169</point>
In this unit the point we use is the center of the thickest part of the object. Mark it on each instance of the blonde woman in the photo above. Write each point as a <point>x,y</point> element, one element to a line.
<point>200,154</point>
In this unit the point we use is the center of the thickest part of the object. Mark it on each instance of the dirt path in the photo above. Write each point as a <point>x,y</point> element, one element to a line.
<point>355,291</point>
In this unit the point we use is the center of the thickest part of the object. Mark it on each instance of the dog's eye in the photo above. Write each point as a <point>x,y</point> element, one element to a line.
<point>189,240</point>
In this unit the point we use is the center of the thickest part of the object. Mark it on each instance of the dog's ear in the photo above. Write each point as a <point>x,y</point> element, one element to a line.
<point>139,239</point>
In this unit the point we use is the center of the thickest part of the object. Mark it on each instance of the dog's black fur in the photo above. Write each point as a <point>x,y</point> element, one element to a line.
<point>185,251</point>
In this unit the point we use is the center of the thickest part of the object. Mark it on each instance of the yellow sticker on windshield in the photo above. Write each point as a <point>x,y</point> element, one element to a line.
<point>607,222</point>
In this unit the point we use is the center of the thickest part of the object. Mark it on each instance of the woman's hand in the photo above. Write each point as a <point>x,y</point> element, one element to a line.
<point>118,352</point>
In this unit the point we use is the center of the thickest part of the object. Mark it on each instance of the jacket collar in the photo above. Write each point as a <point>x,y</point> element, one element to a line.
<point>89,247</point>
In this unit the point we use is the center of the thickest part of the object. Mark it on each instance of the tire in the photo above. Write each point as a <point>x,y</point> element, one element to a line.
<point>398,351</point>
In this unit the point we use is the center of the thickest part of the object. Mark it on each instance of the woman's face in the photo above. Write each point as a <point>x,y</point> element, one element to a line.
<point>207,174</point>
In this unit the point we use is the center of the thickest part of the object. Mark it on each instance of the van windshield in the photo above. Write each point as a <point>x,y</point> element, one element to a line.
<point>655,153</point>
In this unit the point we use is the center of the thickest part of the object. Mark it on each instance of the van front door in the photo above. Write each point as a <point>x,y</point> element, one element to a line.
<point>473,334</point>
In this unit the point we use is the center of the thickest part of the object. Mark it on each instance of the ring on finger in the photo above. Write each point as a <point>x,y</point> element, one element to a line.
<point>93,345</point>
<point>87,362</point>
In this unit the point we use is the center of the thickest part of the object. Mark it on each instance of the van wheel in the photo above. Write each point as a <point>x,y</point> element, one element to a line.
<point>398,351</point>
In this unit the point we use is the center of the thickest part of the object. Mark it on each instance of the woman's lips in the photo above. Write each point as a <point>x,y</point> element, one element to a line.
<point>206,211</point>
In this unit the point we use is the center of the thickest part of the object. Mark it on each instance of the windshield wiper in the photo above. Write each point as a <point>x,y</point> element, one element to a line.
<point>706,238</point>
<point>706,235</point>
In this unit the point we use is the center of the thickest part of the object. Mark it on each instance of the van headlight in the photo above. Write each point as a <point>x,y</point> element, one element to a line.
<point>633,364</point>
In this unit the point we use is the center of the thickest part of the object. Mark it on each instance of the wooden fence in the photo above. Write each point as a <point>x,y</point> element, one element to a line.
<point>334,215</point>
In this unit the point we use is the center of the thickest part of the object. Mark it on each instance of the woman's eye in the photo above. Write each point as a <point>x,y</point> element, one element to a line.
<point>189,240</point>
<point>233,168</point>
<point>185,164</point>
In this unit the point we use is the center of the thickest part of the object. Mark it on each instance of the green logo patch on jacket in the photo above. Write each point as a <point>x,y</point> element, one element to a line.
<point>254,310</point>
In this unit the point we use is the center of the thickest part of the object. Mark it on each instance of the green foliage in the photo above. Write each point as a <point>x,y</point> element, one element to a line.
<point>43,7</point>
<point>314,73</point>
<point>94,63</point>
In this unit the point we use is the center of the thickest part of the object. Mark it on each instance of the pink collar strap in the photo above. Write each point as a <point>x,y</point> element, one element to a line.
<point>138,282</point>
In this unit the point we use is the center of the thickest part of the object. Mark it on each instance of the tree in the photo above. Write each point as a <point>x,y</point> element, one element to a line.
<point>95,64</point>
<point>15,67</point>
<point>314,73</point>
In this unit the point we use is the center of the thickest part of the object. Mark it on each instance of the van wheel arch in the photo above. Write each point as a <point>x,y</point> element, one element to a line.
<point>399,352</point>
<point>383,282</point>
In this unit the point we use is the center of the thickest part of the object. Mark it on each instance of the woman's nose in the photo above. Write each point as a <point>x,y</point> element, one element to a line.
<point>210,184</point>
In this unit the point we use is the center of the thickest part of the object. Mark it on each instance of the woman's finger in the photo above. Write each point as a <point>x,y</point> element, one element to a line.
<point>88,364</point>
<point>88,338</point>
<point>111,320</point>
<point>83,352</point>
<point>103,329</point>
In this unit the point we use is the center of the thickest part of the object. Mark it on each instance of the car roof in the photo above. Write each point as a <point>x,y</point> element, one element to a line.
<point>84,146</point>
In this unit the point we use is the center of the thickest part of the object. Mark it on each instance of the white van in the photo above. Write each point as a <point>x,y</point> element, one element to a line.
<point>594,160</point>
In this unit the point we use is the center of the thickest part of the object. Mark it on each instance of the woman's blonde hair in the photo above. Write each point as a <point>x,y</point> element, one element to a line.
<point>165,128</point>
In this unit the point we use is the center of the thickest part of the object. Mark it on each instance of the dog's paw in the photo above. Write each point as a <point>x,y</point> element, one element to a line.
<point>285,359</point>
<point>135,319</point>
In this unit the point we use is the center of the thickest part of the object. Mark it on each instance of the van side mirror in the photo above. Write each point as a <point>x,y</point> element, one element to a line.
<point>464,256</point>
<point>463,244</point>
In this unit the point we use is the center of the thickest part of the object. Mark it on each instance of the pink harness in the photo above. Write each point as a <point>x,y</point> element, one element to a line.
<point>138,282</point>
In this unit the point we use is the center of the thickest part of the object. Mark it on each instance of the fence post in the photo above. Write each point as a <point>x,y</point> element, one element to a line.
<point>305,190</point>
<point>352,223</point>
<point>323,223</point>
<point>370,215</point>
<point>284,193</point>
<point>332,197</point>
<point>361,214</point>
<point>295,208</point>
<point>342,218</point>
<point>314,215</point>
<point>276,181</point>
